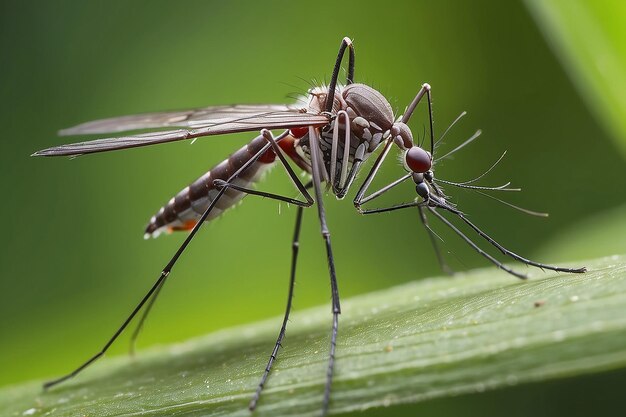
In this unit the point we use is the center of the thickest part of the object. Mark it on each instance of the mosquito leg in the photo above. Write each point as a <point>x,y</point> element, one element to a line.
<point>358,202</point>
<point>225,185</point>
<point>334,150</point>
<point>164,273</point>
<point>475,247</point>
<point>294,178</point>
<point>433,240</point>
<point>295,246</point>
<point>336,307</point>
<point>392,208</point>
<point>507,252</point>
<point>133,337</point>
<point>345,43</point>
<point>159,282</point>
<point>278,151</point>
<point>424,91</point>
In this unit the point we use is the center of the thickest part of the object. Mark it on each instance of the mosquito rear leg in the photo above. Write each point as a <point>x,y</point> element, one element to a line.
<point>154,290</point>
<point>144,316</point>
<point>295,247</point>
<point>149,296</point>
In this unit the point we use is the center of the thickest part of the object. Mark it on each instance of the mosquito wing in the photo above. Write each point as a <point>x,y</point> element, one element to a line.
<point>199,122</point>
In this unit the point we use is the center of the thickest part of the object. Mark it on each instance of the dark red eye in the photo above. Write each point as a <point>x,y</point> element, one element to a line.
<point>418,160</point>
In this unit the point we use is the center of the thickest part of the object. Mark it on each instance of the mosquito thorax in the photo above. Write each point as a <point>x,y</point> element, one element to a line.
<point>363,101</point>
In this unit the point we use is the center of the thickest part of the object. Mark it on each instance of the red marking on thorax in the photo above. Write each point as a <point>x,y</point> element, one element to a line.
<point>299,132</point>
<point>288,145</point>
<point>268,157</point>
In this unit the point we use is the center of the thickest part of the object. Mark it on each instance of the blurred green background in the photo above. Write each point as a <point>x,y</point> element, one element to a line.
<point>73,258</point>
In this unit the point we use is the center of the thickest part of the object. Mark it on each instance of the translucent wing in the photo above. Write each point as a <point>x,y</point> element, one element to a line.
<point>199,122</point>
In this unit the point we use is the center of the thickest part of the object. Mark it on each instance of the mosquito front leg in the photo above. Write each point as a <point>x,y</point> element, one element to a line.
<point>504,250</point>
<point>475,246</point>
<point>361,198</point>
<point>345,43</point>
<point>334,149</point>
<point>424,91</point>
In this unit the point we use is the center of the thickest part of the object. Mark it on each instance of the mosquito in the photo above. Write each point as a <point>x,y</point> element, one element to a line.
<point>329,138</point>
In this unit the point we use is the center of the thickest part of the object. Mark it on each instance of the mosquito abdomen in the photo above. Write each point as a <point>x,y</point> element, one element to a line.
<point>184,210</point>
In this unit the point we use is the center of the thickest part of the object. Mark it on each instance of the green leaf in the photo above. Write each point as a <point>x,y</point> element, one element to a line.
<point>588,37</point>
<point>438,337</point>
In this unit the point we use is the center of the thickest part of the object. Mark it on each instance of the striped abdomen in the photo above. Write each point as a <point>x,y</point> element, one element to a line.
<point>183,211</point>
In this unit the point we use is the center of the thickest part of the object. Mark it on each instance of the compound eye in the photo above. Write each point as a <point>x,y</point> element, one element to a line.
<point>418,160</point>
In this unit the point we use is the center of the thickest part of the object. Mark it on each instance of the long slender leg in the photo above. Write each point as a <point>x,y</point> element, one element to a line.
<point>278,151</point>
<point>336,307</point>
<point>292,175</point>
<point>162,277</point>
<point>425,90</point>
<point>475,247</point>
<point>334,149</point>
<point>433,240</point>
<point>372,173</point>
<point>295,246</point>
<point>251,191</point>
<point>504,250</point>
<point>345,43</point>
<point>164,273</point>
<point>392,208</point>
<point>144,315</point>
<point>359,200</point>
<point>434,200</point>
<point>422,204</point>
<point>384,189</point>
<point>358,204</point>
